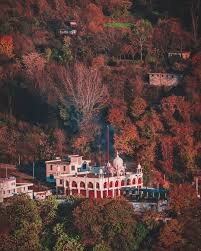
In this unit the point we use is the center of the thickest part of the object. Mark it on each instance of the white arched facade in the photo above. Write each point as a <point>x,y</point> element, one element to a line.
<point>98,187</point>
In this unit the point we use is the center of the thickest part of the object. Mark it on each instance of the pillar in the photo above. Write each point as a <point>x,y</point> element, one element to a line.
<point>87,192</point>
<point>78,188</point>
<point>113,193</point>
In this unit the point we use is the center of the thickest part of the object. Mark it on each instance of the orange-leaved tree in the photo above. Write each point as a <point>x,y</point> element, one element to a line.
<point>6,45</point>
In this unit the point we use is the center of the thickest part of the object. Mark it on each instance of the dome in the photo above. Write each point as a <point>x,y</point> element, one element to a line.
<point>101,171</point>
<point>108,164</point>
<point>118,162</point>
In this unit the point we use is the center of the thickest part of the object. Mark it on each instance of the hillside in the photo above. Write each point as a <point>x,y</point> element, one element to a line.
<point>70,68</point>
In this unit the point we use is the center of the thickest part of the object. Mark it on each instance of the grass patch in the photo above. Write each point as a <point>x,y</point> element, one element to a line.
<point>118,25</point>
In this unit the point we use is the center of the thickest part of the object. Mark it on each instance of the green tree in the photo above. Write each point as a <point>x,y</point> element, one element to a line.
<point>66,50</point>
<point>48,210</point>
<point>24,225</point>
<point>64,241</point>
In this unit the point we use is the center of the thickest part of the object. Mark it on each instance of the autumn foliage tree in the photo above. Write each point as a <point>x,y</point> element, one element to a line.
<point>6,45</point>
<point>182,197</point>
<point>138,106</point>
<point>34,66</point>
<point>95,18</point>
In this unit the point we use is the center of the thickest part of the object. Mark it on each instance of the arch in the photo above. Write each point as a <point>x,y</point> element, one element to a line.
<point>133,182</point>
<point>128,182</point>
<point>97,185</point>
<point>67,183</point>
<point>105,185</point>
<point>139,180</point>
<point>90,185</point>
<point>116,183</point>
<point>74,184</point>
<point>122,183</point>
<point>111,184</point>
<point>82,184</point>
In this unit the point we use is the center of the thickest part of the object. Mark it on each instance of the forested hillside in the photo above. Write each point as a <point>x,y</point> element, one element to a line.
<point>59,92</point>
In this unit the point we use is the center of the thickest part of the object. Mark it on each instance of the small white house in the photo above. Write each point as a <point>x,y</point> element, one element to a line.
<point>42,195</point>
<point>9,187</point>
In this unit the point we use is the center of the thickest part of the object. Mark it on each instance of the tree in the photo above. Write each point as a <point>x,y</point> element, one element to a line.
<point>67,54</point>
<point>119,225</point>
<point>195,17</point>
<point>65,242</point>
<point>47,211</point>
<point>169,35</point>
<point>167,152</point>
<point>142,32</point>
<point>24,225</point>
<point>126,139</point>
<point>170,236</point>
<point>9,83</point>
<point>60,140</point>
<point>117,117</point>
<point>6,45</point>
<point>34,65</point>
<point>108,221</point>
<point>182,197</point>
<point>102,246</point>
<point>191,220</point>
<point>95,18</point>
<point>85,90</point>
<point>138,106</point>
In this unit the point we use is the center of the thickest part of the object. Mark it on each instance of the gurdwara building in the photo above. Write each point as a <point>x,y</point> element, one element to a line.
<point>77,177</point>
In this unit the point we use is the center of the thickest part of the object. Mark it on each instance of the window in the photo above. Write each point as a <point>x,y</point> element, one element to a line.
<point>82,184</point>
<point>64,168</point>
<point>90,185</point>
<point>51,176</point>
<point>51,167</point>
<point>84,166</point>
<point>61,182</point>
<point>74,184</point>
<point>72,168</point>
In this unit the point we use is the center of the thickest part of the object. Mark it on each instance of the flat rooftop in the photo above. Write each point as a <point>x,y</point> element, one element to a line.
<point>7,179</point>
